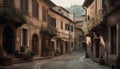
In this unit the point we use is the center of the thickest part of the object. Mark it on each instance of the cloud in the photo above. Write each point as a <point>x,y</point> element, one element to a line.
<point>68,3</point>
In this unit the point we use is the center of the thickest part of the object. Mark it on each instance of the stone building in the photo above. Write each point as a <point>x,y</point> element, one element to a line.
<point>91,27</point>
<point>113,23</point>
<point>78,31</point>
<point>64,40</point>
<point>38,25</point>
<point>21,24</point>
<point>102,30</point>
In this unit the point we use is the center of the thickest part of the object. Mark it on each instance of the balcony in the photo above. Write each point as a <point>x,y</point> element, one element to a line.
<point>62,35</point>
<point>94,22</point>
<point>12,15</point>
<point>49,30</point>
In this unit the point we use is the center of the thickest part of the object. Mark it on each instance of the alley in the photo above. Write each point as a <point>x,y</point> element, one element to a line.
<point>73,60</point>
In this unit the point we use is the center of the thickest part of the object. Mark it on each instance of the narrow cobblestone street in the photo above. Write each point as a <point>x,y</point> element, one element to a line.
<point>73,60</point>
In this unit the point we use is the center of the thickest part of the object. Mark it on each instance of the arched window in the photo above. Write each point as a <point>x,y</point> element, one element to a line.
<point>24,5</point>
<point>35,8</point>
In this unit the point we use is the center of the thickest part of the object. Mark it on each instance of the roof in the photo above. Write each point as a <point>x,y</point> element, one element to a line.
<point>63,9</point>
<point>87,3</point>
<point>61,15</point>
<point>50,3</point>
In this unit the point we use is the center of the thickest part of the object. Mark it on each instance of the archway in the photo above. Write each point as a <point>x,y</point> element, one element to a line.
<point>8,40</point>
<point>35,43</point>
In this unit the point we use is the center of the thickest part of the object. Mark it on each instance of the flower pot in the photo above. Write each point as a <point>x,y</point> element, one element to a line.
<point>6,61</point>
<point>21,55</point>
<point>30,59</point>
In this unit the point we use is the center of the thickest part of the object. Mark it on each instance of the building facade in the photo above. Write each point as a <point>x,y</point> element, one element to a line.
<point>78,31</point>
<point>102,29</point>
<point>65,30</point>
<point>94,9</point>
<point>113,23</point>
<point>38,25</point>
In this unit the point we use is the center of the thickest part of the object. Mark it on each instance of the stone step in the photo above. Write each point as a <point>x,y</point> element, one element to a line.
<point>17,61</point>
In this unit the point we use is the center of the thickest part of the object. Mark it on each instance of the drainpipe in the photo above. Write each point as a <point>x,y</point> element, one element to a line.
<point>69,37</point>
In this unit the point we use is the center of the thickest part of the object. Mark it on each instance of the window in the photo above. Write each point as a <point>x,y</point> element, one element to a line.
<point>35,8</point>
<point>72,44</point>
<point>66,46</point>
<point>52,45</point>
<point>44,14</point>
<point>62,13</point>
<point>24,5</point>
<point>72,28</point>
<point>53,22</point>
<point>24,37</point>
<point>8,2</point>
<point>61,25</point>
<point>88,18</point>
<point>66,25</point>
<point>113,39</point>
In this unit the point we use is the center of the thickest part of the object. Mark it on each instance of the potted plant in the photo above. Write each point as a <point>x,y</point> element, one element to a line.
<point>17,54</point>
<point>22,51</point>
<point>29,56</point>
<point>4,59</point>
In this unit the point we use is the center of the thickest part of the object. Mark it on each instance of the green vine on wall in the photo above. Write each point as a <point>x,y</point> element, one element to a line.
<point>49,30</point>
<point>92,23</point>
<point>13,14</point>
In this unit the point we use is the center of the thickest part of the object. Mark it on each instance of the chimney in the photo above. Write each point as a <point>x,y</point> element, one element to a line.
<point>72,16</point>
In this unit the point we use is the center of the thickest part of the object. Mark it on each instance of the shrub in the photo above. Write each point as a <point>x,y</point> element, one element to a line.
<point>28,55</point>
<point>22,49</point>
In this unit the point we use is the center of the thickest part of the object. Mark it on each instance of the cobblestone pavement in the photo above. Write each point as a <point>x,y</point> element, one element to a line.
<point>73,60</point>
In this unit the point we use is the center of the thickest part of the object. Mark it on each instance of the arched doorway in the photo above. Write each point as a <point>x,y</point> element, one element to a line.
<point>35,43</point>
<point>8,40</point>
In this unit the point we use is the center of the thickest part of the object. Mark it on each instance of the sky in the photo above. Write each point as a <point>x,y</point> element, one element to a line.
<point>67,3</point>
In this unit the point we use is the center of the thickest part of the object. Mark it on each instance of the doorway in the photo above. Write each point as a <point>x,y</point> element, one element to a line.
<point>61,48</point>
<point>35,43</point>
<point>97,48</point>
<point>8,40</point>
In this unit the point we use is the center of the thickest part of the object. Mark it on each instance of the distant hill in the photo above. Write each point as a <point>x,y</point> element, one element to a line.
<point>77,9</point>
